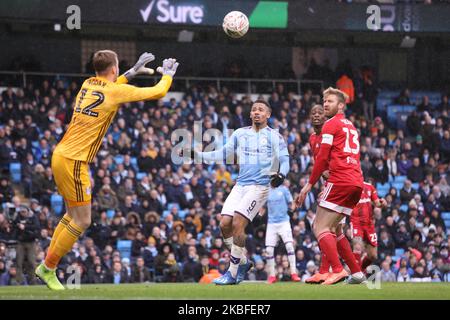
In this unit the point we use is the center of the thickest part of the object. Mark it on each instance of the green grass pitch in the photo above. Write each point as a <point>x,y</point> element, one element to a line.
<point>244,291</point>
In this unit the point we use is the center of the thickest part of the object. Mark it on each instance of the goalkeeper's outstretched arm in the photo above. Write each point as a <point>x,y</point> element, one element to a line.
<point>128,93</point>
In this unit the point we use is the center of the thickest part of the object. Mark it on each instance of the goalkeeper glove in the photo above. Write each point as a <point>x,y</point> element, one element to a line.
<point>276,180</point>
<point>139,67</point>
<point>169,67</point>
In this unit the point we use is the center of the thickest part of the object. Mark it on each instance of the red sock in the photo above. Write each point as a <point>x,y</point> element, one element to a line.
<point>324,264</point>
<point>327,242</point>
<point>365,263</point>
<point>345,251</point>
<point>357,257</point>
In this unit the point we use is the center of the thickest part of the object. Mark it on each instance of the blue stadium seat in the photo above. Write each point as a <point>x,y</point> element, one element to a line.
<point>415,185</point>
<point>382,192</point>
<point>383,189</point>
<point>380,185</point>
<point>118,159</point>
<point>404,207</point>
<point>165,213</point>
<point>15,168</point>
<point>400,179</point>
<point>56,202</point>
<point>391,94</point>
<point>110,213</point>
<point>182,214</point>
<point>445,215</point>
<point>173,204</point>
<point>397,185</point>
<point>391,179</point>
<point>447,223</point>
<point>140,175</point>
<point>34,144</point>
<point>394,110</point>
<point>124,247</point>
<point>134,164</point>
<point>301,214</point>
<point>399,252</point>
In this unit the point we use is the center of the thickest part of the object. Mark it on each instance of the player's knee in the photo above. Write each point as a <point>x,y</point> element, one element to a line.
<point>83,223</point>
<point>225,225</point>
<point>238,225</point>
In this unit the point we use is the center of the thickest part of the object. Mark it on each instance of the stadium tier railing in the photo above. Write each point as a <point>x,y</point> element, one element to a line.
<point>241,85</point>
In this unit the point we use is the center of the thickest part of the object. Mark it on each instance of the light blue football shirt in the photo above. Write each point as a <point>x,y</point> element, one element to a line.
<point>278,204</point>
<point>258,154</point>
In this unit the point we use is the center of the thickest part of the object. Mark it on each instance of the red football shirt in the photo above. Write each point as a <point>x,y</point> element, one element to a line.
<point>362,214</point>
<point>314,142</point>
<point>344,163</point>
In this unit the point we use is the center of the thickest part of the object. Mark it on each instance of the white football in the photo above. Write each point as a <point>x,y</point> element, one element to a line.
<point>235,24</point>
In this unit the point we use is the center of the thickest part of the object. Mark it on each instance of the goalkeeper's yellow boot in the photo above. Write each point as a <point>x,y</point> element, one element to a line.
<point>48,277</point>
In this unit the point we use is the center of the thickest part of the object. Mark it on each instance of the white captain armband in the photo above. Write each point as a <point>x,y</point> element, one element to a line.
<point>327,139</point>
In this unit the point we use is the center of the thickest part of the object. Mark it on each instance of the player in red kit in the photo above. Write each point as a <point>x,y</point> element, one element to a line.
<point>363,228</point>
<point>317,116</point>
<point>339,152</point>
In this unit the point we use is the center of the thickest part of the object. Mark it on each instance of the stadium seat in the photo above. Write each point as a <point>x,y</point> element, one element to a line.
<point>383,189</point>
<point>165,213</point>
<point>399,252</point>
<point>447,223</point>
<point>445,215</point>
<point>173,204</point>
<point>118,159</point>
<point>380,185</point>
<point>415,185</point>
<point>404,207</point>
<point>382,192</point>
<point>140,175</point>
<point>400,179</point>
<point>389,94</point>
<point>110,213</point>
<point>397,185</point>
<point>15,168</point>
<point>301,214</point>
<point>56,202</point>
<point>124,247</point>
<point>134,164</point>
<point>182,214</point>
<point>34,144</point>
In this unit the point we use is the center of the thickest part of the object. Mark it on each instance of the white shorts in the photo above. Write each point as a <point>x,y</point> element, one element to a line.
<point>247,200</point>
<point>275,230</point>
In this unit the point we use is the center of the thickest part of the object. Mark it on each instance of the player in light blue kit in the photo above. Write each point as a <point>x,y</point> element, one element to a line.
<point>279,203</point>
<point>263,161</point>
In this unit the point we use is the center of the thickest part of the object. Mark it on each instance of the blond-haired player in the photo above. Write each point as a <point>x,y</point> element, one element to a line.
<point>95,107</point>
<point>339,152</point>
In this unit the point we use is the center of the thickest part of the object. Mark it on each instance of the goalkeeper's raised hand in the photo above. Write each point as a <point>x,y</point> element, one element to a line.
<point>139,67</point>
<point>169,67</point>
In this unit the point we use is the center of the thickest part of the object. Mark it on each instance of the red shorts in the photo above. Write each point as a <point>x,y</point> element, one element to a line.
<point>367,233</point>
<point>341,199</point>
